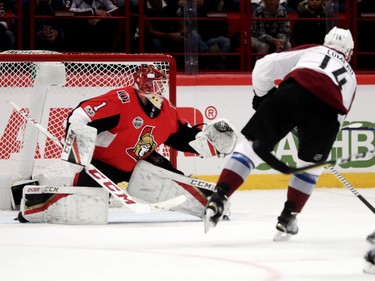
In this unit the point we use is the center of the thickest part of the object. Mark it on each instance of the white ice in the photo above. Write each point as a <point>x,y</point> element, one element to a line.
<point>169,246</point>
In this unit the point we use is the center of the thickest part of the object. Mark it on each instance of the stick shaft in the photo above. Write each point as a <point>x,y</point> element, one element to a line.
<point>351,188</point>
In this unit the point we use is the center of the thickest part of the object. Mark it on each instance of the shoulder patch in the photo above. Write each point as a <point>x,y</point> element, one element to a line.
<point>123,96</point>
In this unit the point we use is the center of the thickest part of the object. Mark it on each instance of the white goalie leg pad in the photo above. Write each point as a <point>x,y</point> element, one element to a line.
<point>60,173</point>
<point>65,205</point>
<point>218,138</point>
<point>79,144</point>
<point>154,184</point>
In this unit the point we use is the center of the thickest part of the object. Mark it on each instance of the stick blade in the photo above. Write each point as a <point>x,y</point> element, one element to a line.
<point>168,204</point>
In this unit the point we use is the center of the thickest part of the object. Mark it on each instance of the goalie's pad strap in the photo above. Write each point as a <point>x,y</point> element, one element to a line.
<point>65,205</point>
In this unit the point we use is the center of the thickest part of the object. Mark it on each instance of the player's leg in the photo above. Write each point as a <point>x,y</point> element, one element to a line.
<point>315,143</point>
<point>265,125</point>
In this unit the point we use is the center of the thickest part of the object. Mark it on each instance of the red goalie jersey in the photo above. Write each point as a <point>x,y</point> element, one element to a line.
<point>126,132</point>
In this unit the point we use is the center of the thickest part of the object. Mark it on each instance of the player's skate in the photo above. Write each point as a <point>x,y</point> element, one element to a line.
<point>217,206</point>
<point>370,262</point>
<point>371,238</point>
<point>287,223</point>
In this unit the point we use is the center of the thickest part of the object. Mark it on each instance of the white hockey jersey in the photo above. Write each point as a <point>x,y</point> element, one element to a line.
<point>319,69</point>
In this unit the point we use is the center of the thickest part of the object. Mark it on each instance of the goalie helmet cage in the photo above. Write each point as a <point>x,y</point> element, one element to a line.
<point>48,85</point>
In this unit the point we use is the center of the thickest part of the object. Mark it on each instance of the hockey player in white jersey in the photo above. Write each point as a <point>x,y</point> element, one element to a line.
<point>316,92</point>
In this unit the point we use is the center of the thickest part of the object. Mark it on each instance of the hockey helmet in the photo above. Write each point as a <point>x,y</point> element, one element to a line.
<point>151,82</point>
<point>341,40</point>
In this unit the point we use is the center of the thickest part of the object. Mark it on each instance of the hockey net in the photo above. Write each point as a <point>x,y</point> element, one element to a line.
<point>27,78</point>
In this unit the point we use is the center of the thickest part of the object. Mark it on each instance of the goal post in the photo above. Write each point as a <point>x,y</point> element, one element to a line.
<point>48,85</point>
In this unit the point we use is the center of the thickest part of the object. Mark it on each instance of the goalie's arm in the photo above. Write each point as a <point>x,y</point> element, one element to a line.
<point>184,135</point>
<point>78,115</point>
<point>217,138</point>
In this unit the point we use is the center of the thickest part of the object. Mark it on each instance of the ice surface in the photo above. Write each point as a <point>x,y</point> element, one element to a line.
<point>169,246</point>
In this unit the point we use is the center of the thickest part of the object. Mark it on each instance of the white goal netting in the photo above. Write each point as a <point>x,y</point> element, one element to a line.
<point>31,80</point>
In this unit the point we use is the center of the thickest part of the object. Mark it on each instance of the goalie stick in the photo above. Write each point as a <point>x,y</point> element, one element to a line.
<point>104,181</point>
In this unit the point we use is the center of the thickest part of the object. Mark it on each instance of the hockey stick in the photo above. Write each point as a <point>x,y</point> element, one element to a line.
<point>350,187</point>
<point>359,129</point>
<point>35,123</point>
<point>343,180</point>
<point>356,127</point>
<point>104,181</point>
<point>280,166</point>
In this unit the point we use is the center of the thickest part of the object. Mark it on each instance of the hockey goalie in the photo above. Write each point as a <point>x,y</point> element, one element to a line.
<point>118,132</point>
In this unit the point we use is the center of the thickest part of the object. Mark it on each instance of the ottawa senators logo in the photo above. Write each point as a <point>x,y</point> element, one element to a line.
<point>145,145</point>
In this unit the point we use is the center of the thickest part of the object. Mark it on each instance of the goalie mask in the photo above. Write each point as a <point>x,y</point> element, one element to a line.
<point>150,82</point>
<point>341,40</point>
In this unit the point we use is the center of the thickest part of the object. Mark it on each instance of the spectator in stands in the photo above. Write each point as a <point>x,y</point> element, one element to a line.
<point>211,36</point>
<point>270,35</point>
<point>366,6</point>
<point>293,4</point>
<point>95,34</point>
<point>255,4</point>
<point>122,36</point>
<point>163,35</point>
<point>314,9</point>
<point>236,6</point>
<point>284,3</point>
<point>49,33</point>
<point>7,37</point>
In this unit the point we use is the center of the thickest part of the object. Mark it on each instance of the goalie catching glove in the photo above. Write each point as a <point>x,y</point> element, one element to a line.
<point>217,138</point>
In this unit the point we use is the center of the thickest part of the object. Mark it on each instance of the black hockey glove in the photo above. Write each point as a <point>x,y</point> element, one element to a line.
<point>257,101</point>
